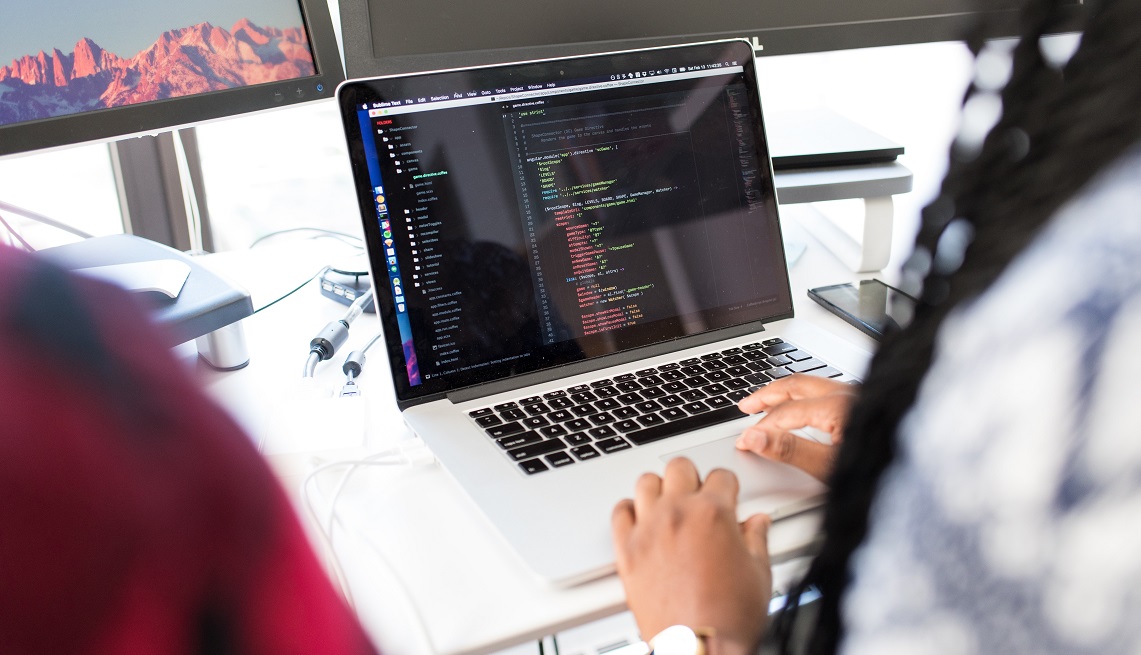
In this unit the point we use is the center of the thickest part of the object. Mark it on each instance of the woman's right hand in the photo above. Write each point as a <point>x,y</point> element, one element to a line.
<point>796,402</point>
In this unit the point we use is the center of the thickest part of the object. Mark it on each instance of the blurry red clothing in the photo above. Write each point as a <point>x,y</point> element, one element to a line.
<point>135,517</point>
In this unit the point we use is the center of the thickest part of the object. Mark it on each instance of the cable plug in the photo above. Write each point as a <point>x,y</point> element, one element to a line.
<point>325,344</point>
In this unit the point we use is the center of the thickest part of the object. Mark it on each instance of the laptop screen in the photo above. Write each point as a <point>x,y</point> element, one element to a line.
<point>527,216</point>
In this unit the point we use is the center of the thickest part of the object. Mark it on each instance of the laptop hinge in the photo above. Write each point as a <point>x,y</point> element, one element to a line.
<point>568,370</point>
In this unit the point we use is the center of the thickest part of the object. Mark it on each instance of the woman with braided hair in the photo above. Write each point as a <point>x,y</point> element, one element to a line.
<point>986,488</point>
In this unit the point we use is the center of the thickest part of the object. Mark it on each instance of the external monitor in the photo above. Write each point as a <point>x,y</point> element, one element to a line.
<point>396,36</point>
<point>79,71</point>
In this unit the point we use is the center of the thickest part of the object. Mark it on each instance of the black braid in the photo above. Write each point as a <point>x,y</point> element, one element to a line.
<point>1058,129</point>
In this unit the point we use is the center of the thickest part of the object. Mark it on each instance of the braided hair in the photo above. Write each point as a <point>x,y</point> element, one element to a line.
<point>1060,125</point>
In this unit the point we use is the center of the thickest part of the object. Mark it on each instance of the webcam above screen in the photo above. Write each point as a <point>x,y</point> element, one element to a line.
<point>77,71</point>
<point>396,36</point>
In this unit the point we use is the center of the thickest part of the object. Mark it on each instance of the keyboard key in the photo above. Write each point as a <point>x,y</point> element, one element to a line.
<point>624,412</point>
<point>673,375</point>
<point>771,342</point>
<point>757,367</point>
<point>577,438</point>
<point>531,400</point>
<point>555,394</point>
<point>560,458</point>
<point>734,360</point>
<point>583,410</point>
<point>691,371</point>
<point>776,373</point>
<point>612,445</point>
<point>534,422</point>
<point>629,398</point>
<point>730,351</point>
<point>715,365</point>
<point>503,406</point>
<point>687,424</point>
<point>692,361</point>
<point>757,378</point>
<point>602,432</point>
<point>607,404</point>
<point>652,392</point>
<point>647,407</point>
<point>674,387</point>
<point>692,395</point>
<point>607,392</point>
<point>717,376</point>
<point>650,420</point>
<point>710,356</point>
<point>578,424</point>
<point>513,414</point>
<point>625,377</point>
<point>737,395</point>
<point>584,397</point>
<point>585,452</point>
<point>601,383</point>
<point>536,409</point>
<point>779,349</point>
<point>826,372</point>
<point>553,431</point>
<point>717,402</point>
<point>558,416</point>
<point>735,384</point>
<point>505,430</point>
<point>798,355</point>
<point>650,381</point>
<point>602,418</point>
<point>695,381</point>
<point>535,450</point>
<point>716,389</point>
<point>670,401</point>
<point>752,346</point>
<point>533,466</point>
<point>515,441</point>
<point>627,387</point>
<point>646,371</point>
<point>560,403</point>
<point>480,412</point>
<point>579,388</point>
<point>488,421</point>
<point>695,407</point>
<point>672,414</point>
<point>779,360</point>
<point>755,356</point>
<point>805,366</point>
<point>737,371</point>
<point>627,426</point>
<point>668,367</point>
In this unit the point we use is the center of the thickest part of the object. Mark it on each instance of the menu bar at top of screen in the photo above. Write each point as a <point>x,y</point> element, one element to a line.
<point>528,91</point>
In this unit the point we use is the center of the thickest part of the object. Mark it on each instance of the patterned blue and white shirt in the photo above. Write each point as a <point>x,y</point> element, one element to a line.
<point>1011,519</point>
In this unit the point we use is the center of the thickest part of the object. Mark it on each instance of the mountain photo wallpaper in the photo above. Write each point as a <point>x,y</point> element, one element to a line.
<point>188,60</point>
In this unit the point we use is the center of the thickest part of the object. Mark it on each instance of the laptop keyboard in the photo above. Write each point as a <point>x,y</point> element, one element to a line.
<point>586,421</point>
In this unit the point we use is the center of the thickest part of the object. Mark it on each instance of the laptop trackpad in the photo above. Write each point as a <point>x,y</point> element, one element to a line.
<point>766,486</point>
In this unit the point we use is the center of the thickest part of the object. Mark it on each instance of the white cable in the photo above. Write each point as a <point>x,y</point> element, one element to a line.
<point>311,365</point>
<point>406,459</point>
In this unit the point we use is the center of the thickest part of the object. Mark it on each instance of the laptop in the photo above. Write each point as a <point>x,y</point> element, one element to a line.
<point>578,266</point>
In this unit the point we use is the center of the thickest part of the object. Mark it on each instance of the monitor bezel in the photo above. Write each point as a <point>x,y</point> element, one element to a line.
<point>159,116</point>
<point>361,60</point>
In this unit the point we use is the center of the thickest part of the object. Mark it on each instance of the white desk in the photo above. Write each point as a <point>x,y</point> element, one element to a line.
<point>473,594</point>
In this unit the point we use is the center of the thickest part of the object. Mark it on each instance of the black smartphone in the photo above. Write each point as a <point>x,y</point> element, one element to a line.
<point>870,305</point>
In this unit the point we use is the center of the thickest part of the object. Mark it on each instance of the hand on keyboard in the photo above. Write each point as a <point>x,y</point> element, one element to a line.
<point>792,403</point>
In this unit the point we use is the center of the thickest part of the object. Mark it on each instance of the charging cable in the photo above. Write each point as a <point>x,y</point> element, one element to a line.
<point>325,344</point>
<point>412,455</point>
<point>353,366</point>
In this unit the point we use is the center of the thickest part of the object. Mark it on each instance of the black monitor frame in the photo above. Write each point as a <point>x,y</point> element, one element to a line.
<point>921,21</point>
<point>151,118</point>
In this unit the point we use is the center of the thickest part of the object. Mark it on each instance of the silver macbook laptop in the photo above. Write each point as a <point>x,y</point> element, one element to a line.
<point>578,264</point>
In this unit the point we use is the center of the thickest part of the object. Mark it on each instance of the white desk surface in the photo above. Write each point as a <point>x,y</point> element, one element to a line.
<point>473,594</point>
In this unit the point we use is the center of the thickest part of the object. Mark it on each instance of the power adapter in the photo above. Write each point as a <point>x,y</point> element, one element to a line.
<point>346,286</point>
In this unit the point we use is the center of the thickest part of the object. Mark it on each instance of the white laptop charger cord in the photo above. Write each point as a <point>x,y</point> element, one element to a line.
<point>411,454</point>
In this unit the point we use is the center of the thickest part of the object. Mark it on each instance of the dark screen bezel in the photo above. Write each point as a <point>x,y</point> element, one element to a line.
<point>171,113</point>
<point>359,92</point>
